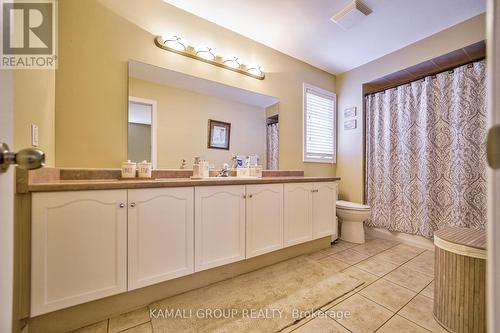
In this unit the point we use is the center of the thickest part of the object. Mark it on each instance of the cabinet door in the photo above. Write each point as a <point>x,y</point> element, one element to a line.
<point>298,219</point>
<point>264,219</point>
<point>79,248</point>
<point>323,209</point>
<point>160,235</point>
<point>219,225</point>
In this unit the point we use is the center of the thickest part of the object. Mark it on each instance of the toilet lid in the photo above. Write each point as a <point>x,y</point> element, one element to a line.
<point>351,205</point>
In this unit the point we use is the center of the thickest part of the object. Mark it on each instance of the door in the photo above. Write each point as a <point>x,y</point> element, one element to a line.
<point>142,130</point>
<point>219,225</point>
<point>160,235</point>
<point>264,219</point>
<point>6,204</point>
<point>493,73</point>
<point>30,159</point>
<point>78,248</point>
<point>324,200</point>
<point>298,213</point>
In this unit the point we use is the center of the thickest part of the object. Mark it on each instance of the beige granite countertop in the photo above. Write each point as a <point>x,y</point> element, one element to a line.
<point>78,179</point>
<point>108,184</point>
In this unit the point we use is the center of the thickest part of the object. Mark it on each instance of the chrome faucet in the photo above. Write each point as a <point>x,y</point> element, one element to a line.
<point>225,171</point>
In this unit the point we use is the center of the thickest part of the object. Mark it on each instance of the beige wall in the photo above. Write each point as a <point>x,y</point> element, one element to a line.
<point>34,93</point>
<point>182,118</point>
<point>349,92</point>
<point>273,110</point>
<point>95,44</point>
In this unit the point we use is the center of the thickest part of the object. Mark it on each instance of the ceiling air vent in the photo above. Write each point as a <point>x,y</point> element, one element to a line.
<point>351,14</point>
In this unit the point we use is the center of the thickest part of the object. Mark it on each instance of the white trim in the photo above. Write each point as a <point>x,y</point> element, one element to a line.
<point>7,205</point>
<point>402,237</point>
<point>493,226</point>
<point>329,94</point>
<point>154,125</point>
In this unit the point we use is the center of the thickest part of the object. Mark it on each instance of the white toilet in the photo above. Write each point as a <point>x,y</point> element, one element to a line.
<point>351,217</point>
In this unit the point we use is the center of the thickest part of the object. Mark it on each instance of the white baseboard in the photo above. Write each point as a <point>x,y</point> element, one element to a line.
<point>413,240</point>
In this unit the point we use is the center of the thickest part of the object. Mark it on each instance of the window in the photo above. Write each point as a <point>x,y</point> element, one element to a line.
<point>319,125</point>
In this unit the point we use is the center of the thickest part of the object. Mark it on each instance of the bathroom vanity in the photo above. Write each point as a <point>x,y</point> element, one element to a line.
<point>93,238</point>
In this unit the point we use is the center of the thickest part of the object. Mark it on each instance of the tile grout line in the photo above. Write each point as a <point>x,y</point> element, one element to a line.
<point>125,330</point>
<point>395,313</point>
<point>336,320</point>
<point>379,278</point>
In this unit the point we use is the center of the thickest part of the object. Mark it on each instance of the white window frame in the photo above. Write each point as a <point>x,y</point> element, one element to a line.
<point>307,86</point>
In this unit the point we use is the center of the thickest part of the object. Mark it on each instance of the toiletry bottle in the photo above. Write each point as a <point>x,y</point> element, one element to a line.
<point>206,169</point>
<point>197,168</point>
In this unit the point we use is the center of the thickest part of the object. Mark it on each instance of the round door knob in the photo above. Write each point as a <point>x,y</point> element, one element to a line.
<point>29,158</point>
<point>122,205</point>
<point>132,204</point>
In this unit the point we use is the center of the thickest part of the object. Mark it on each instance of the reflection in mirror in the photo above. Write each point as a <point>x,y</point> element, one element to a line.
<point>177,110</point>
<point>141,132</point>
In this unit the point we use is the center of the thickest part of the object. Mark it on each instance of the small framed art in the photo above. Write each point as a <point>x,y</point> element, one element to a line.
<point>219,134</point>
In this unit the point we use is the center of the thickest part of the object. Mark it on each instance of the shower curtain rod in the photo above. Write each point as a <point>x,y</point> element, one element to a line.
<point>428,76</point>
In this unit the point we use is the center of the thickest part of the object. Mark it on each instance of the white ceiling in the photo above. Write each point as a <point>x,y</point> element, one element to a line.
<point>302,28</point>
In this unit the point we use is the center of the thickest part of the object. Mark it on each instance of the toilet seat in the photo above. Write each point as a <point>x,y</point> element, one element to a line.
<point>351,205</point>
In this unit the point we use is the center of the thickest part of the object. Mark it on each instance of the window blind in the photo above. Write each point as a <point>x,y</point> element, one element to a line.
<point>319,126</point>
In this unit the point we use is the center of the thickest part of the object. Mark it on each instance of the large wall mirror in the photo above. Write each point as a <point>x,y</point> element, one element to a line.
<point>174,117</point>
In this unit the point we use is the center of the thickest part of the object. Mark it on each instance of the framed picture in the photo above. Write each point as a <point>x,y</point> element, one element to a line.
<point>350,124</point>
<point>350,112</point>
<point>219,134</point>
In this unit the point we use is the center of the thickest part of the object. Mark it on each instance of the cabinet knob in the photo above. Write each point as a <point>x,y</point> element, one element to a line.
<point>122,205</point>
<point>132,204</point>
<point>250,195</point>
<point>244,196</point>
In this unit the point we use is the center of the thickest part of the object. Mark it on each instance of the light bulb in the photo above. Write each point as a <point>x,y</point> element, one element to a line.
<point>255,70</point>
<point>205,52</point>
<point>175,42</point>
<point>233,62</point>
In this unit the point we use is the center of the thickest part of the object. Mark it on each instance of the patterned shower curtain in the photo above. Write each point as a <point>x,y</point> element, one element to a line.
<point>272,146</point>
<point>426,153</point>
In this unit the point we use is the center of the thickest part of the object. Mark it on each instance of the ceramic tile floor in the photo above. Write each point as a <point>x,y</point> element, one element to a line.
<point>396,295</point>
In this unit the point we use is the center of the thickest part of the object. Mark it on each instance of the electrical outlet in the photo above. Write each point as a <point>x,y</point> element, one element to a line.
<point>34,135</point>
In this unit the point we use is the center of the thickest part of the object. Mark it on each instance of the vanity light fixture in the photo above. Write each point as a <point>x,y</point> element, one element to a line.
<point>206,54</point>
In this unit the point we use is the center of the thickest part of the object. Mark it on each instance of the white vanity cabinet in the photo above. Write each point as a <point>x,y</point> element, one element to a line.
<point>79,247</point>
<point>324,200</point>
<point>160,235</point>
<point>88,245</point>
<point>264,219</point>
<point>298,213</point>
<point>309,211</point>
<point>219,225</point>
